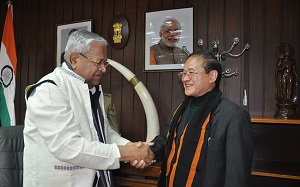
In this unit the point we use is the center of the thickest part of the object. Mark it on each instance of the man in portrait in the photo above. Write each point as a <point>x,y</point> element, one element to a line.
<point>166,51</point>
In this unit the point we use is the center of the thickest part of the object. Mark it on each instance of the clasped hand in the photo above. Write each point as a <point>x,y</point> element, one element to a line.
<point>138,154</point>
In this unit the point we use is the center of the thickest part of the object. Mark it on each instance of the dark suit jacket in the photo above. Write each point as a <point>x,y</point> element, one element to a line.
<point>228,152</point>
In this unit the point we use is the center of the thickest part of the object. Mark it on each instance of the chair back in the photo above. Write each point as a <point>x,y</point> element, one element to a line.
<point>11,156</point>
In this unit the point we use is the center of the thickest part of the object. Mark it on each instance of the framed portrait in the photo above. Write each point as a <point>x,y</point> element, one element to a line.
<point>63,31</point>
<point>168,39</point>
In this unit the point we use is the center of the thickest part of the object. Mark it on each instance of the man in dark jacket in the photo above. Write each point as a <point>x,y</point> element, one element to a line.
<point>208,139</point>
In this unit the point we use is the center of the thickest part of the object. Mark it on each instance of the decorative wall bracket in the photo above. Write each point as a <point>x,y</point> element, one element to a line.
<point>222,55</point>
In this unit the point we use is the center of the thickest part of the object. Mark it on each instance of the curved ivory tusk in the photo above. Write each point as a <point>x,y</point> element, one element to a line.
<point>148,104</point>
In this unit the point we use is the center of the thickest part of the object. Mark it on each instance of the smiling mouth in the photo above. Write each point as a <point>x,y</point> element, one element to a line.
<point>173,40</point>
<point>188,86</point>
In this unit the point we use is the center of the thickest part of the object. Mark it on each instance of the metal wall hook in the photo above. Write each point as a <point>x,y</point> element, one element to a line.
<point>221,56</point>
<point>228,73</point>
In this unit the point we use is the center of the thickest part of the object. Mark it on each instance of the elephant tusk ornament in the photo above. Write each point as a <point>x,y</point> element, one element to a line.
<point>145,97</point>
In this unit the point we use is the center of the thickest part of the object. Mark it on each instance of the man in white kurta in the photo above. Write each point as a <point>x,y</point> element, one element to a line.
<point>61,143</point>
<point>69,155</point>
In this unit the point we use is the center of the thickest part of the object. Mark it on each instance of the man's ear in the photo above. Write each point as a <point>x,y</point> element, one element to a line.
<point>73,59</point>
<point>160,34</point>
<point>213,74</point>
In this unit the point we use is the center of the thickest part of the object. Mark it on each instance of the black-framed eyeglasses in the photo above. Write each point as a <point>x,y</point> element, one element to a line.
<point>100,63</point>
<point>190,74</point>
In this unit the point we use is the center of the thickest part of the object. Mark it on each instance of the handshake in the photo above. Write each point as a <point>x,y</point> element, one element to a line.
<point>138,154</point>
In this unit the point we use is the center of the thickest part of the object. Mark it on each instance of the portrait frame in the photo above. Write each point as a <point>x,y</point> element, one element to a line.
<point>153,21</point>
<point>63,34</point>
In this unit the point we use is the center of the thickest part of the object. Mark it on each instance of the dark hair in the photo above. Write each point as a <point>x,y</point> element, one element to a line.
<point>71,31</point>
<point>210,63</point>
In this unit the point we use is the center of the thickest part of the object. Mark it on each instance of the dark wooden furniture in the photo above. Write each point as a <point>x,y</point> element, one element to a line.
<point>131,176</point>
<point>277,149</point>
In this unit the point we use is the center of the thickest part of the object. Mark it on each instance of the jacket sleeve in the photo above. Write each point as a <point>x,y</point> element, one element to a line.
<point>239,150</point>
<point>160,141</point>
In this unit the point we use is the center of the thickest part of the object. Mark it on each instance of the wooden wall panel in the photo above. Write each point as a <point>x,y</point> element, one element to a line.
<point>232,28</point>
<point>41,38</point>
<point>166,4</point>
<point>77,10</point>
<point>128,92</point>
<point>165,103</point>
<point>23,60</point>
<point>97,9</point>
<point>87,9</point>
<point>245,64</point>
<point>290,27</point>
<point>272,38</point>
<point>138,115</point>
<point>117,8</point>
<point>164,87</point>
<point>177,92</point>
<point>264,24</point>
<point>68,6</point>
<point>32,51</point>
<point>3,11</point>
<point>153,79</point>
<point>216,23</point>
<point>50,37</point>
<point>256,57</point>
<point>180,3</point>
<point>201,23</point>
<point>19,97</point>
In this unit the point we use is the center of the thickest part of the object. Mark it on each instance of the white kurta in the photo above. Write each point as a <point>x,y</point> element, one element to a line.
<point>61,143</point>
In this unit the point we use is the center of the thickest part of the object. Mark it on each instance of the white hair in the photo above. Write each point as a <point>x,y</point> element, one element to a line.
<point>80,40</point>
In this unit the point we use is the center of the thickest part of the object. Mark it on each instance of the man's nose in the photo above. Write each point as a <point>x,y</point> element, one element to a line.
<point>185,78</point>
<point>102,68</point>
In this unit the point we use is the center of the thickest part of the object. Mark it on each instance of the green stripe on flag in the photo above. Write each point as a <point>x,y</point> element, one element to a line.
<point>4,115</point>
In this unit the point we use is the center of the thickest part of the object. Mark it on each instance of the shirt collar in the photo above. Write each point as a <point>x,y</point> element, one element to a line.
<point>70,72</point>
<point>93,90</point>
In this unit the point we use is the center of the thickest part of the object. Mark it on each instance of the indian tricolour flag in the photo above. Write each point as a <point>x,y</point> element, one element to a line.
<point>8,68</point>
